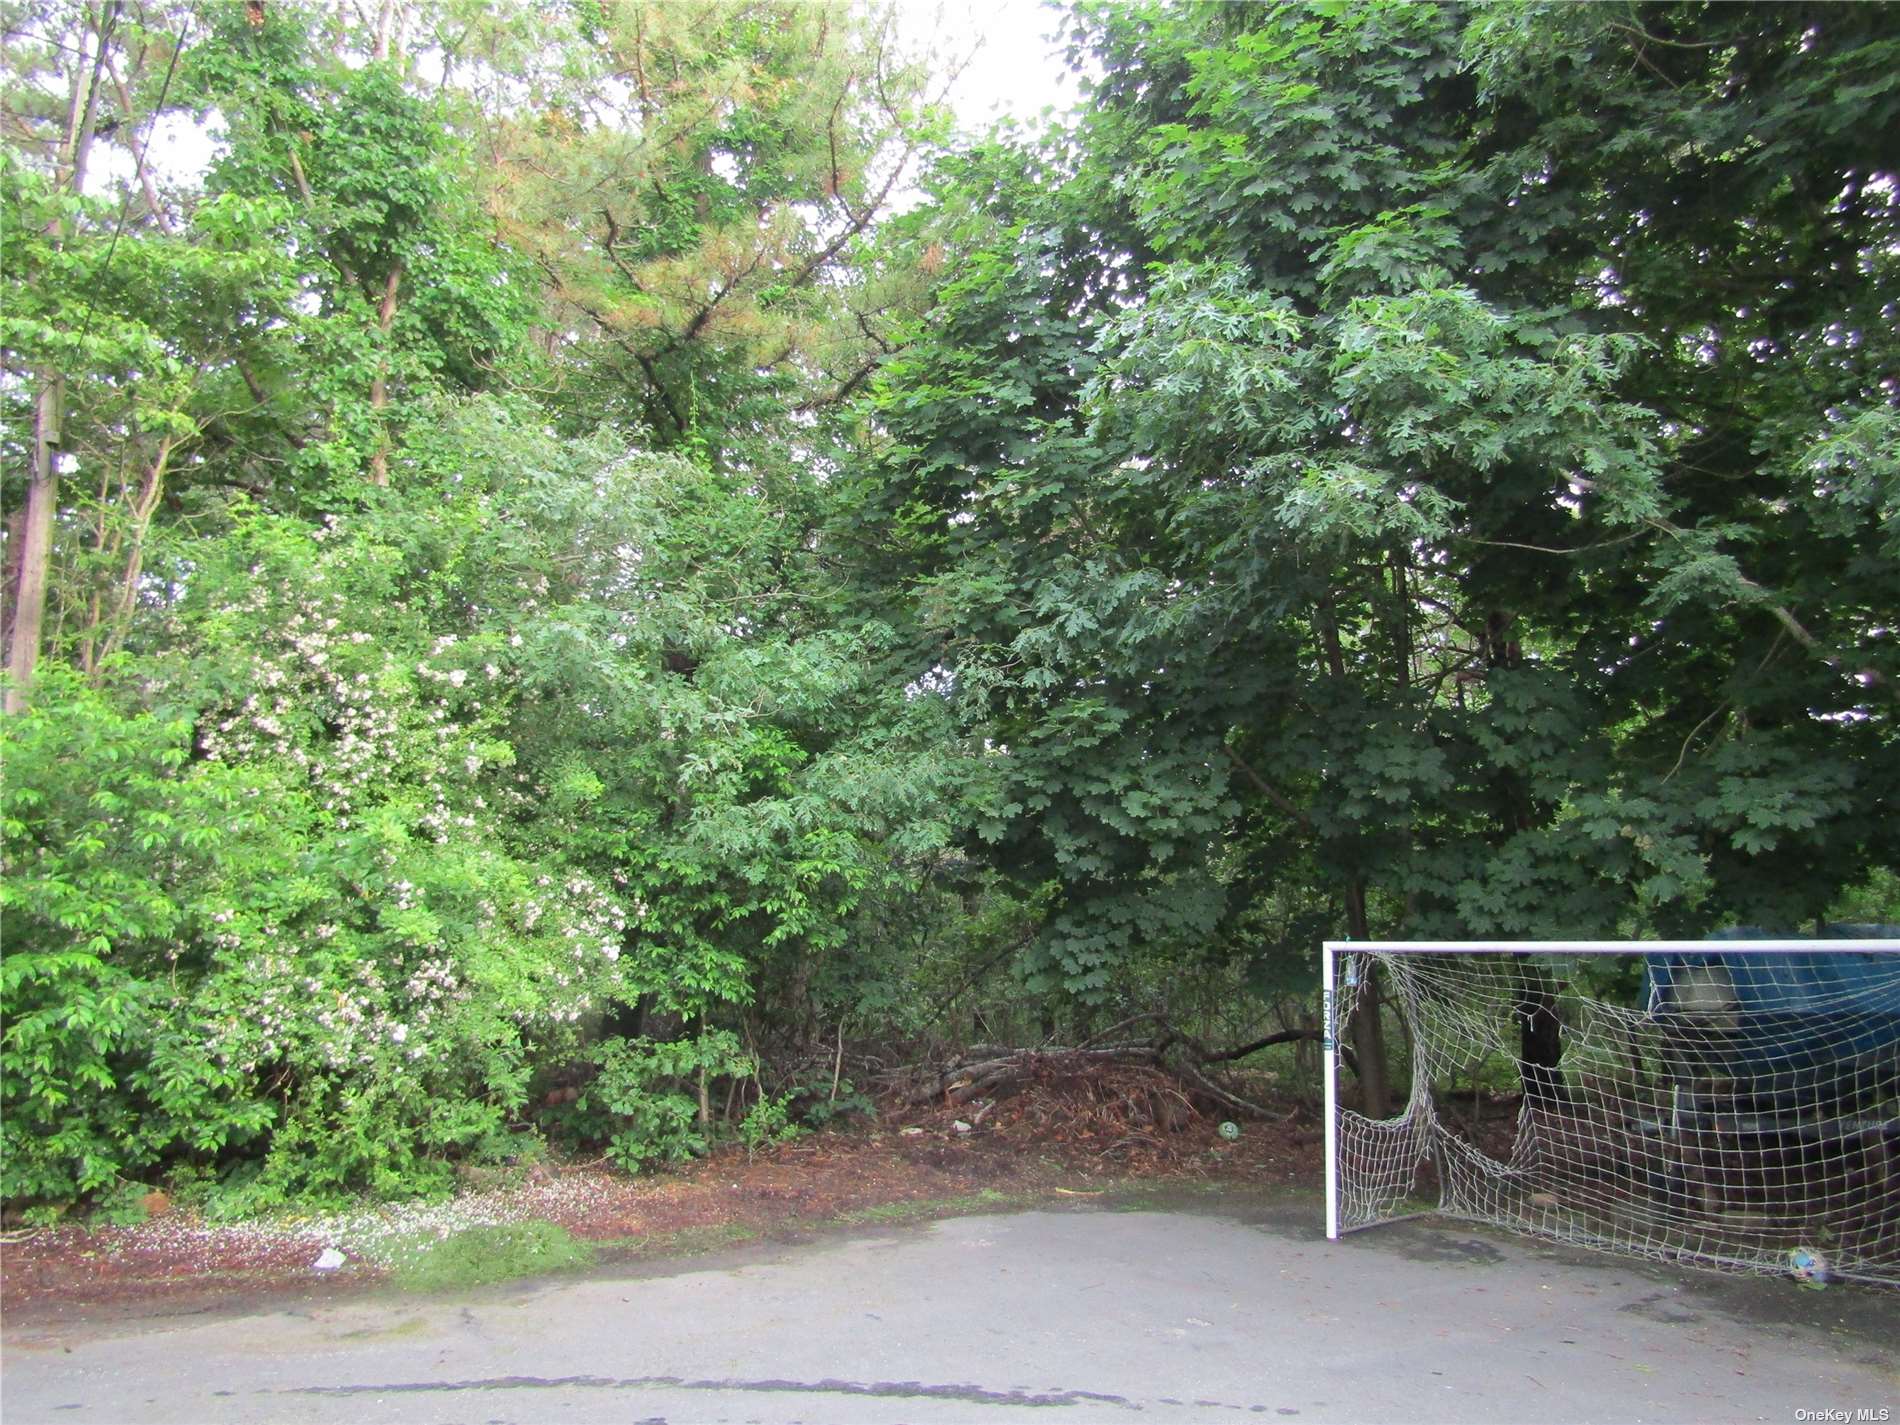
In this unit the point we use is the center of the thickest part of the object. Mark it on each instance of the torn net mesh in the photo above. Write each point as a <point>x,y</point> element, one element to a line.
<point>1727,1108</point>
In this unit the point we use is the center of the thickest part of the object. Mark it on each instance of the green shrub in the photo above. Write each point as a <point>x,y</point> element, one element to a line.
<point>818,1107</point>
<point>643,1103</point>
<point>768,1121</point>
<point>379,818</point>
<point>114,847</point>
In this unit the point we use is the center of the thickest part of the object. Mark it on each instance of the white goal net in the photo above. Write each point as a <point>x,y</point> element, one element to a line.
<point>1730,1102</point>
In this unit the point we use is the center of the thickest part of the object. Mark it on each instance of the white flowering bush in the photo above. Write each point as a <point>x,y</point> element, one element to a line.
<point>288,923</point>
<point>408,983</point>
<point>527,772</point>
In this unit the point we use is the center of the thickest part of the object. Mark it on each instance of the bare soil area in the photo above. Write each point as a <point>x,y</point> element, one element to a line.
<point>1071,1131</point>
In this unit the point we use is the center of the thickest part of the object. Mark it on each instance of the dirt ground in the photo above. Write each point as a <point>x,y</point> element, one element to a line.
<point>1067,1134</point>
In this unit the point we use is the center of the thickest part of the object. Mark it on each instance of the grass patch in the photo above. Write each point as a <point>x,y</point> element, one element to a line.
<point>477,1256</point>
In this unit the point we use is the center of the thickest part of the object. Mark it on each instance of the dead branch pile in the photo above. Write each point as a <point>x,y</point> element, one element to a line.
<point>1173,1069</point>
<point>990,1071</point>
<point>1118,1110</point>
<point>1106,1103</point>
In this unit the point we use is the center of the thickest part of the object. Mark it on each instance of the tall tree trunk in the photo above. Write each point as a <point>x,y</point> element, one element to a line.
<point>379,386</point>
<point>1540,1031</point>
<point>79,135</point>
<point>36,545</point>
<point>1368,1029</point>
<point>128,123</point>
<point>10,576</point>
<point>1368,1033</point>
<point>385,25</point>
<point>27,624</point>
<point>146,506</point>
<point>1540,1037</point>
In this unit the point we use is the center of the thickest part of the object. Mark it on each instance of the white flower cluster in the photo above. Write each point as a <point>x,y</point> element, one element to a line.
<point>369,730</point>
<point>342,1018</point>
<point>454,676</point>
<point>275,1015</point>
<point>303,679</point>
<point>595,916</point>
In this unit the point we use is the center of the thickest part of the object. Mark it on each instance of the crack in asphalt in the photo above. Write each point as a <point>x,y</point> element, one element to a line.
<point>890,1390</point>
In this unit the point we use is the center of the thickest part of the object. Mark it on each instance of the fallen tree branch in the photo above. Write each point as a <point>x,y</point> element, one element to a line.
<point>995,1070</point>
<point>1152,1015</point>
<point>1285,1036</point>
<point>1225,1096</point>
<point>964,1079</point>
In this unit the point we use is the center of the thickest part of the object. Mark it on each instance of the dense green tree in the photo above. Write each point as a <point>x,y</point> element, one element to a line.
<point>544,743</point>
<point>402,286</point>
<point>1442,457</point>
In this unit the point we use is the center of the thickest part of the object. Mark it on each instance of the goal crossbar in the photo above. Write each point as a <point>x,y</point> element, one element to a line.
<point>1664,1111</point>
<point>1611,947</point>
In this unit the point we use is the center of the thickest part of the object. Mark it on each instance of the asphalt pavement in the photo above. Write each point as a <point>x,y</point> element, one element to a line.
<point>1046,1316</point>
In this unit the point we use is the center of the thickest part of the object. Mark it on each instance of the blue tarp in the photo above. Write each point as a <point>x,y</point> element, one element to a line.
<point>1790,1010</point>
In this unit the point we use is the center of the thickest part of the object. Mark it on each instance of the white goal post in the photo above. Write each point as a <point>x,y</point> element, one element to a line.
<point>1728,1102</point>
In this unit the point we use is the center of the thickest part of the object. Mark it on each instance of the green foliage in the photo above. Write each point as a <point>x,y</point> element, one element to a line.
<point>1339,474</point>
<point>723,167</point>
<point>817,1108</point>
<point>1383,467</point>
<point>115,847</point>
<point>768,1122</point>
<point>124,1205</point>
<point>404,291</point>
<point>497,763</point>
<point>640,1103</point>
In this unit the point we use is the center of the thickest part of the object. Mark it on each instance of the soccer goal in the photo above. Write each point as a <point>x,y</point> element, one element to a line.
<point>1728,1102</point>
